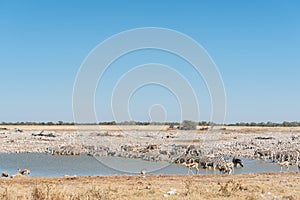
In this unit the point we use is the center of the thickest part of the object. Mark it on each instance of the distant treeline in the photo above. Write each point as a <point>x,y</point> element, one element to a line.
<point>38,123</point>
<point>202,123</point>
<point>267,124</point>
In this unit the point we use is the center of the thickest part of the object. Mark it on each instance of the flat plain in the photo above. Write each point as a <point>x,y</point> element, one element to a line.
<point>284,185</point>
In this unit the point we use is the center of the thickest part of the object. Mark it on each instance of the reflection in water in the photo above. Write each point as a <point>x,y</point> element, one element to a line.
<point>83,165</point>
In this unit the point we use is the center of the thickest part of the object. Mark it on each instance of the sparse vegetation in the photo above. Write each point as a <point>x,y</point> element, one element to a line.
<point>54,192</point>
<point>231,187</point>
<point>188,186</point>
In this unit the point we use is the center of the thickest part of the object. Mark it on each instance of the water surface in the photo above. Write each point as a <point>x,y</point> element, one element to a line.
<point>83,165</point>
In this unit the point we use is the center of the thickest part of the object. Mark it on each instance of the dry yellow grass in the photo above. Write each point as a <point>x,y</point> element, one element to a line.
<point>72,128</point>
<point>225,129</point>
<point>251,186</point>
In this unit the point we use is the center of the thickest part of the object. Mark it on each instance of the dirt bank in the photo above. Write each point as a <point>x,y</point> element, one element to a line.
<point>252,186</point>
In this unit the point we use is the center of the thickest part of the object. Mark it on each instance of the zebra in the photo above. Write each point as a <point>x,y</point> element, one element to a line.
<point>237,161</point>
<point>212,161</point>
<point>263,153</point>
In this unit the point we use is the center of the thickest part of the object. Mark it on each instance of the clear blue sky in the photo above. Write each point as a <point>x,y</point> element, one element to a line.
<point>255,44</point>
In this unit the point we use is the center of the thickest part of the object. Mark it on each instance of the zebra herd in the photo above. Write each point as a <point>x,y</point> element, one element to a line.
<point>194,159</point>
<point>210,161</point>
<point>278,156</point>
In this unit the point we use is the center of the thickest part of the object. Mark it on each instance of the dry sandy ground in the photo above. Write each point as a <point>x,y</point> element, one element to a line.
<point>252,186</point>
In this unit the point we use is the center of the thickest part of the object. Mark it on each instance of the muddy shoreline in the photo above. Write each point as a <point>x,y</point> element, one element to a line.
<point>153,143</point>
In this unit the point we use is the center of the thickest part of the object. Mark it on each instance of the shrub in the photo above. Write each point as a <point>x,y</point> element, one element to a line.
<point>188,125</point>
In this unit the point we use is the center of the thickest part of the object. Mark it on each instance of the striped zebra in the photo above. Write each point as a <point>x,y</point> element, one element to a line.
<point>212,161</point>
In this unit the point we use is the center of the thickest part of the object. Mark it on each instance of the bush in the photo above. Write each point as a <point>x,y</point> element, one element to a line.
<point>188,125</point>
